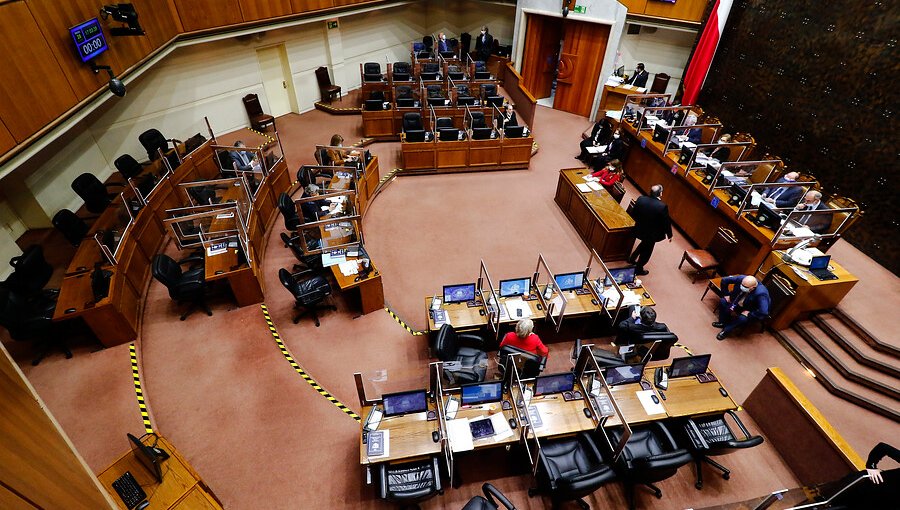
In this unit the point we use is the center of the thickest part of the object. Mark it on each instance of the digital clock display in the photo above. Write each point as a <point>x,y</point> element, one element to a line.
<point>89,40</point>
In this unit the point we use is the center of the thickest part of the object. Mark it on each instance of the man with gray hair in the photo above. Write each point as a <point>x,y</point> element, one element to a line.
<point>651,225</point>
<point>818,223</point>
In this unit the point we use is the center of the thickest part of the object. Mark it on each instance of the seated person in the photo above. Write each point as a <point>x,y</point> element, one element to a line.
<point>312,210</point>
<point>611,174</point>
<point>637,323</point>
<point>721,154</point>
<point>508,118</point>
<point>692,135</point>
<point>599,136</point>
<point>639,78</point>
<point>525,339</point>
<point>818,223</point>
<point>784,196</point>
<point>244,161</point>
<point>338,157</point>
<point>614,150</point>
<point>745,298</point>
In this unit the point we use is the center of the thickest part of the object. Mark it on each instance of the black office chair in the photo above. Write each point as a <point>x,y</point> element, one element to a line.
<point>372,71</point>
<point>466,364</point>
<point>462,91</point>
<point>377,95</point>
<point>430,71</point>
<point>306,261</point>
<point>478,120</point>
<point>401,71</point>
<point>711,436</point>
<point>651,455</point>
<point>488,90</point>
<point>433,91</point>
<point>570,469</point>
<point>72,227</point>
<point>409,483</point>
<point>128,166</point>
<point>404,92</point>
<point>308,293</point>
<point>31,320</point>
<point>152,140</point>
<point>443,123</point>
<point>412,121</point>
<point>528,364</point>
<point>491,500</point>
<point>292,220</point>
<point>183,286</point>
<point>428,41</point>
<point>454,73</point>
<point>307,175</point>
<point>95,194</point>
<point>604,358</point>
<point>30,272</point>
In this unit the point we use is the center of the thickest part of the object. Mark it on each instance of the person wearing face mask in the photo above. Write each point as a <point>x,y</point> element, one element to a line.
<point>744,298</point>
<point>818,223</point>
<point>600,135</point>
<point>614,150</point>
<point>610,175</point>
<point>784,196</point>
<point>483,44</point>
<point>443,45</point>
<point>639,78</point>
<point>722,154</point>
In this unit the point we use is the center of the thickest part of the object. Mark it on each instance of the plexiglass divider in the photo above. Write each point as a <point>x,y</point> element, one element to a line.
<point>748,197</point>
<point>595,389</point>
<point>635,104</point>
<point>553,301</point>
<point>520,401</point>
<point>610,298</point>
<point>490,300</point>
<point>801,225</point>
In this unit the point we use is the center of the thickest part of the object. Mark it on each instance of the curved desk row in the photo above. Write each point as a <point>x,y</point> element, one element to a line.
<point>466,155</point>
<point>388,124</point>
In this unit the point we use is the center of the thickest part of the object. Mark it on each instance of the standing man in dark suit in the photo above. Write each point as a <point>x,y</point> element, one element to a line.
<point>745,298</point>
<point>443,45</point>
<point>639,78</point>
<point>818,223</point>
<point>651,225</point>
<point>784,196</point>
<point>483,44</point>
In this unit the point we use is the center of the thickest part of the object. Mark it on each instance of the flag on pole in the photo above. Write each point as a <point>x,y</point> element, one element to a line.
<point>706,50</point>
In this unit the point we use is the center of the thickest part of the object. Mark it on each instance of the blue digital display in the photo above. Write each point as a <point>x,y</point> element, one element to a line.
<point>88,39</point>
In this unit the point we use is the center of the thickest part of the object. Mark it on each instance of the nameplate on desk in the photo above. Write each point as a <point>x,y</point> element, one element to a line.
<point>674,169</point>
<point>225,216</point>
<point>216,249</point>
<point>714,202</point>
<point>643,143</point>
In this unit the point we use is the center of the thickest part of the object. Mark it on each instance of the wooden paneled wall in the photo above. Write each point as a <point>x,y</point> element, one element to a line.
<point>686,10</point>
<point>43,76</point>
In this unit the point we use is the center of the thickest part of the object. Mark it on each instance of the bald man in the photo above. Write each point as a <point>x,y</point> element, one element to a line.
<point>784,196</point>
<point>745,298</point>
<point>818,223</point>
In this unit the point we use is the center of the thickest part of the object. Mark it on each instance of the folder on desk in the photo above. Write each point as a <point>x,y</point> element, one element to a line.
<point>517,308</point>
<point>378,443</point>
<point>501,426</point>
<point>582,187</point>
<point>594,186</point>
<point>596,150</point>
<point>460,435</point>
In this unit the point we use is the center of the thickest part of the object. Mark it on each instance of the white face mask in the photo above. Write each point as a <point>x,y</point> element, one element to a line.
<point>745,289</point>
<point>616,135</point>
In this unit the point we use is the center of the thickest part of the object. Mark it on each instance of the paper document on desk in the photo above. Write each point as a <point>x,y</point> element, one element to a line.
<point>501,426</point>
<point>329,260</point>
<point>646,398</point>
<point>755,198</point>
<point>610,296</point>
<point>594,185</point>
<point>798,231</point>
<point>614,114</point>
<point>597,150</point>
<point>460,435</point>
<point>582,187</point>
<point>516,306</point>
<point>349,267</point>
<point>631,298</point>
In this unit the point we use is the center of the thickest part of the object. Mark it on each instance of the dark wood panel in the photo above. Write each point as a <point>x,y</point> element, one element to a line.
<point>160,24</point>
<point>34,87</point>
<point>310,5</point>
<point>253,10</point>
<point>688,10</point>
<point>200,14</point>
<point>7,141</point>
<point>579,67</point>
<point>541,52</point>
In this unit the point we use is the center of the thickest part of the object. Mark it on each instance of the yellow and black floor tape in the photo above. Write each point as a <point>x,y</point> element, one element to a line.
<point>405,325</point>
<point>306,377</point>
<point>136,376</point>
<point>688,351</point>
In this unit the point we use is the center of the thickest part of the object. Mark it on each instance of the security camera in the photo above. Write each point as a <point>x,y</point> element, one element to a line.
<point>124,13</point>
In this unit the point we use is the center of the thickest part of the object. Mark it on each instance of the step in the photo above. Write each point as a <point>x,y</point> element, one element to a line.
<point>862,352</point>
<point>878,344</point>
<point>845,365</point>
<point>834,382</point>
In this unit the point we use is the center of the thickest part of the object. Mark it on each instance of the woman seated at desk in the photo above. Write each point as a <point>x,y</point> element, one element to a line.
<point>611,174</point>
<point>339,157</point>
<point>722,154</point>
<point>525,339</point>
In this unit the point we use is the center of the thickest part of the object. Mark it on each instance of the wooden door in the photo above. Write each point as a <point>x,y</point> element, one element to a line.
<point>580,61</point>
<point>542,38</point>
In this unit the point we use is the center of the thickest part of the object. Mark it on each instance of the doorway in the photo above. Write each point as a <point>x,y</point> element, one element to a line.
<point>562,61</point>
<point>275,72</point>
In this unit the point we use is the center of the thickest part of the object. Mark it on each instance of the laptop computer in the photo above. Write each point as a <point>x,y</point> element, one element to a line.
<point>819,268</point>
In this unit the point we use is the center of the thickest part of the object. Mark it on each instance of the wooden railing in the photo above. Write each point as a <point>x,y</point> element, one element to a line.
<point>519,95</point>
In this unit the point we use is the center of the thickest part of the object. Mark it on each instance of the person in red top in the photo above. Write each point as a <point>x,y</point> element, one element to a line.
<point>524,339</point>
<point>611,174</point>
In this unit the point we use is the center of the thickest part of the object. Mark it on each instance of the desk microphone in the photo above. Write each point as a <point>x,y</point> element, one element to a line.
<point>798,255</point>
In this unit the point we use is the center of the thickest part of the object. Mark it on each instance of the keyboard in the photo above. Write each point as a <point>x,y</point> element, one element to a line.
<point>128,489</point>
<point>823,274</point>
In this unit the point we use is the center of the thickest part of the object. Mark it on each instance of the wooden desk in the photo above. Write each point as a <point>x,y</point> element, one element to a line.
<point>559,417</point>
<point>409,437</point>
<point>811,294</point>
<point>181,488</point>
<point>686,396</point>
<point>379,124</point>
<point>600,221</point>
<point>613,98</point>
<point>371,289</point>
<point>244,284</point>
<point>461,317</point>
<point>457,156</point>
<point>486,411</point>
<point>114,319</point>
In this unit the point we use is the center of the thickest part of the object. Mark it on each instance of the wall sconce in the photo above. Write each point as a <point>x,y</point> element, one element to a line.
<point>115,85</point>
<point>124,13</point>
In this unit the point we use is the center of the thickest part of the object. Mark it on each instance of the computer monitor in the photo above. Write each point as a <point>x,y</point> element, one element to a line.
<point>620,72</point>
<point>417,46</point>
<point>685,156</point>
<point>709,173</point>
<point>415,135</point>
<point>482,75</point>
<point>689,366</point>
<point>554,383</point>
<point>660,134</point>
<point>569,281</point>
<point>406,102</point>
<point>482,393</point>
<point>819,262</point>
<point>660,350</point>
<point>436,101</point>
<point>737,193</point>
<point>459,293</point>
<point>374,105</point>
<point>404,402</point>
<point>481,133</point>
<point>495,101</point>
<point>514,131</point>
<point>448,54</point>
<point>622,275</point>
<point>448,134</point>
<point>150,456</point>
<point>624,374</point>
<point>465,100</point>
<point>768,217</point>
<point>515,287</point>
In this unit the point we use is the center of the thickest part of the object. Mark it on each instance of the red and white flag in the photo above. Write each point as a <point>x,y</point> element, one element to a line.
<point>706,50</point>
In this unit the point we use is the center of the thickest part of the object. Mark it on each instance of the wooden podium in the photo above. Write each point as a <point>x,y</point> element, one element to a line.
<point>181,487</point>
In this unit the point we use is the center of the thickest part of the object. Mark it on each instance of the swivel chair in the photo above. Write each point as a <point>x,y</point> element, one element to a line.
<point>570,469</point>
<point>711,436</point>
<point>400,71</point>
<point>31,272</point>
<point>492,500</point>
<point>128,166</point>
<point>462,91</point>
<point>430,71</point>
<point>478,120</point>
<point>404,92</point>
<point>528,364</point>
<point>31,320</point>
<point>183,286</point>
<point>409,483</point>
<point>95,194</point>
<point>306,261</point>
<point>154,141</point>
<point>412,121</point>
<point>651,455</point>
<point>454,73</point>
<point>443,123</point>
<point>462,365</point>
<point>72,227</point>
<point>488,90</point>
<point>292,220</point>
<point>428,41</point>
<point>308,293</point>
<point>433,91</point>
<point>372,72</point>
<point>604,358</point>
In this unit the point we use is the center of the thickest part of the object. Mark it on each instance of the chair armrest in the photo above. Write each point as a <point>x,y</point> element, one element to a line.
<point>470,339</point>
<point>437,474</point>
<point>192,258</point>
<point>697,437</point>
<point>494,496</point>
<point>739,423</point>
<point>382,480</point>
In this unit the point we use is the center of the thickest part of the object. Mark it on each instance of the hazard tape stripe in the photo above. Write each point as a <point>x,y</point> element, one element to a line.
<point>400,322</point>
<point>306,377</point>
<point>136,376</point>
<point>685,348</point>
